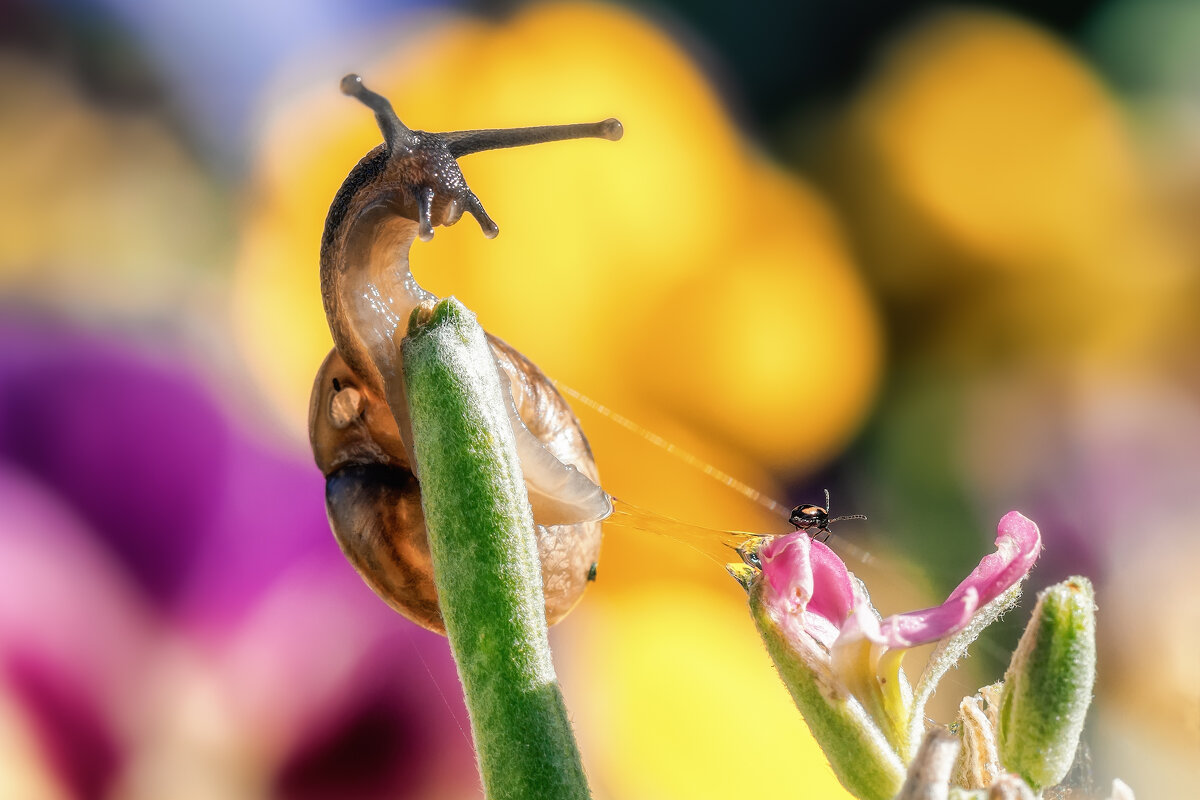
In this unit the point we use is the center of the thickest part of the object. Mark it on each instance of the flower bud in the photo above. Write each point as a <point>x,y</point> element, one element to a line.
<point>1048,686</point>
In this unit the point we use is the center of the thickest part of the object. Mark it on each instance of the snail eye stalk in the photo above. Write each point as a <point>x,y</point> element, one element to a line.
<point>428,162</point>
<point>397,135</point>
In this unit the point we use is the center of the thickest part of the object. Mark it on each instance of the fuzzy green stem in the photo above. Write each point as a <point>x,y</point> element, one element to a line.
<point>485,560</point>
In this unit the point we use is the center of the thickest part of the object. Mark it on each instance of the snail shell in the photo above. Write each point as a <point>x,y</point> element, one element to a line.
<point>358,413</point>
<point>374,500</point>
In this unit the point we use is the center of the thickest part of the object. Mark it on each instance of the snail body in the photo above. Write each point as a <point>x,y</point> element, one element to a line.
<point>358,414</point>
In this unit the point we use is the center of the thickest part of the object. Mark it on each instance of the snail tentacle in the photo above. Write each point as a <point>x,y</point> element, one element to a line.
<point>489,228</point>
<point>464,143</point>
<point>398,136</point>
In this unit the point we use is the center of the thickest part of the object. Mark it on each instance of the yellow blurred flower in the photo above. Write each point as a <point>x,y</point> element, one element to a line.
<point>685,703</point>
<point>996,187</point>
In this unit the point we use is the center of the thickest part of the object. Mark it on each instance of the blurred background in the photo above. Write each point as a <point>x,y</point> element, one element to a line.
<point>940,259</point>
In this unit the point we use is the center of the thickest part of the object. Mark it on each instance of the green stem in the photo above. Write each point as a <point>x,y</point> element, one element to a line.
<point>485,560</point>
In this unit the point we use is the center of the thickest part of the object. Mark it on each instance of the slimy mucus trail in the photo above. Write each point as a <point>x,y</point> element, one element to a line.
<point>718,545</point>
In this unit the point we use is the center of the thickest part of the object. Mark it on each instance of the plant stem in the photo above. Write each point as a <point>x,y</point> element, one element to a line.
<point>485,559</point>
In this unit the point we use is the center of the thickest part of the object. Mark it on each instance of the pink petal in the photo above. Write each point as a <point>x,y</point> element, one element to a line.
<point>805,575</point>
<point>835,594</point>
<point>75,636</point>
<point>1018,543</point>
<point>929,624</point>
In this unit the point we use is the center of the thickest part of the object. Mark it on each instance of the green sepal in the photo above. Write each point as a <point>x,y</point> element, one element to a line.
<point>744,574</point>
<point>857,750</point>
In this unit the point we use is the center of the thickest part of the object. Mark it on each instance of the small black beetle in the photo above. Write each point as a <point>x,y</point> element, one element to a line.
<point>810,517</point>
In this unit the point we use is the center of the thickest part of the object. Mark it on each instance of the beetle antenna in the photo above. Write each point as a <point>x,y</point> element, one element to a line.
<point>832,520</point>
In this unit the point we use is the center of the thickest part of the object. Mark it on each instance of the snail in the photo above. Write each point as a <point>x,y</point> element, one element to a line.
<point>358,414</point>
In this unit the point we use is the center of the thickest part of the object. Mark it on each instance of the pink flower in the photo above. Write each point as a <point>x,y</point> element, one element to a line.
<point>836,654</point>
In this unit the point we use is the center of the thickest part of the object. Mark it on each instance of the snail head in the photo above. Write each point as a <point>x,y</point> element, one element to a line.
<point>426,164</point>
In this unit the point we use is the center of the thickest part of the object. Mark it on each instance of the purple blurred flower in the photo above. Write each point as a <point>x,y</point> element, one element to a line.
<point>149,545</point>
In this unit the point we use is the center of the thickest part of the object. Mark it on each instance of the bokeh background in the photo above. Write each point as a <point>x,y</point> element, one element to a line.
<point>941,259</point>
